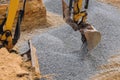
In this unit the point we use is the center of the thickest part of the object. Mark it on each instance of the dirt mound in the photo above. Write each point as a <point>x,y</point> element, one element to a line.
<point>110,71</point>
<point>52,19</point>
<point>12,67</point>
<point>112,2</point>
<point>35,14</point>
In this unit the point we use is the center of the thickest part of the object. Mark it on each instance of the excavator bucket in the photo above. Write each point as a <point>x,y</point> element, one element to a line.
<point>92,36</point>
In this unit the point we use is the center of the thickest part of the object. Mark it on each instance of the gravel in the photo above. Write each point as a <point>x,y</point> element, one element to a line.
<point>59,49</point>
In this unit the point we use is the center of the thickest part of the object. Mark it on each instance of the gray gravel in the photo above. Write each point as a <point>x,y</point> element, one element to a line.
<point>59,49</point>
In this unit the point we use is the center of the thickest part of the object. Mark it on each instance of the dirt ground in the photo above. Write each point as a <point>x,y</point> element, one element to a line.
<point>112,2</point>
<point>52,19</point>
<point>110,71</point>
<point>12,67</point>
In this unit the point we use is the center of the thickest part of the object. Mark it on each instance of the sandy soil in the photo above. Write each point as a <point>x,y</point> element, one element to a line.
<point>112,2</point>
<point>107,71</point>
<point>52,19</point>
<point>12,67</point>
<point>110,71</point>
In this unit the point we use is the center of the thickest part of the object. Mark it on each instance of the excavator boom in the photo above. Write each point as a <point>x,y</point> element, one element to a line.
<point>6,38</point>
<point>12,9</point>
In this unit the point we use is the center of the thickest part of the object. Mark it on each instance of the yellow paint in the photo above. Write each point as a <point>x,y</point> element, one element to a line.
<point>77,11</point>
<point>13,6</point>
<point>79,16</point>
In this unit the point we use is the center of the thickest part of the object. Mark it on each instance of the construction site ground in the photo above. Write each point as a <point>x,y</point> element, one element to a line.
<point>59,47</point>
<point>112,2</point>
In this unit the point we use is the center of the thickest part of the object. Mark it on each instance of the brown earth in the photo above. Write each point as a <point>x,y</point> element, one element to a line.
<point>112,2</point>
<point>12,67</point>
<point>35,13</point>
<point>110,71</point>
<point>52,19</point>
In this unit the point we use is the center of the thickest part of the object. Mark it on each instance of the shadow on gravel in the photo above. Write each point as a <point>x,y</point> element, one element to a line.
<point>85,56</point>
<point>82,53</point>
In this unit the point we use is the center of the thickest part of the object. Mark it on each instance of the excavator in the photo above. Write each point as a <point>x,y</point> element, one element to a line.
<point>72,14</point>
<point>75,14</point>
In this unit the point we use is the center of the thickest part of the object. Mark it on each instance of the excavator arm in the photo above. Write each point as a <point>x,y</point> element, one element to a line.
<point>6,38</point>
<point>75,15</point>
<point>76,6</point>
